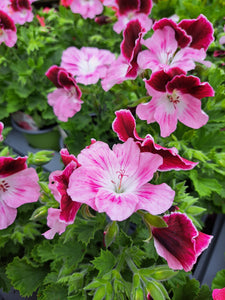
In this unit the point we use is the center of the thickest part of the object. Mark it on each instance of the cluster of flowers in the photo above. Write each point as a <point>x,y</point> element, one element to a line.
<point>13,12</point>
<point>117,181</point>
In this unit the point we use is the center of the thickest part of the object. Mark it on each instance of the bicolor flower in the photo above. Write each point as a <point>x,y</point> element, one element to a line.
<point>54,223</point>
<point>7,30</point>
<point>18,185</point>
<point>116,181</point>
<point>58,183</point>
<point>87,8</point>
<point>88,64</point>
<point>66,99</point>
<point>125,127</point>
<point>126,67</point>
<point>180,243</point>
<point>20,11</point>
<point>164,53</point>
<point>174,98</point>
<point>218,294</point>
<point>1,128</point>
<point>127,10</point>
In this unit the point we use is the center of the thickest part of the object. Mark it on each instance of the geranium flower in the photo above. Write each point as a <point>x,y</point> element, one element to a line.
<point>218,294</point>
<point>116,181</point>
<point>87,64</point>
<point>87,8</point>
<point>58,183</point>
<point>7,30</point>
<point>126,67</point>
<point>18,185</point>
<point>176,98</point>
<point>1,128</point>
<point>66,99</point>
<point>164,53</point>
<point>125,127</point>
<point>20,11</point>
<point>65,3</point>
<point>127,10</point>
<point>180,243</point>
<point>53,221</point>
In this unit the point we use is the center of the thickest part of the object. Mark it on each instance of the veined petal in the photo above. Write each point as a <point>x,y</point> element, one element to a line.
<point>8,215</point>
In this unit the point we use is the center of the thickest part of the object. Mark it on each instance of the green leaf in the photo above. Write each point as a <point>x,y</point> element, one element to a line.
<point>205,186</point>
<point>155,291</point>
<point>204,293</point>
<point>24,276</point>
<point>100,293</point>
<point>195,210</point>
<point>110,233</point>
<point>152,220</point>
<point>105,262</point>
<point>45,251</point>
<point>190,290</point>
<point>162,272</point>
<point>219,280</point>
<point>55,291</point>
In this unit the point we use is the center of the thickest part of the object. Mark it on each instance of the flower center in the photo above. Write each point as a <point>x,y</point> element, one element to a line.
<point>4,186</point>
<point>174,98</point>
<point>118,186</point>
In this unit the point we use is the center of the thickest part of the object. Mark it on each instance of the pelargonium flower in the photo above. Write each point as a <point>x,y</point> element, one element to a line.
<point>180,243</point>
<point>53,221</point>
<point>65,3</point>
<point>127,10</point>
<point>66,99</point>
<point>7,30</point>
<point>1,128</point>
<point>20,11</point>
<point>58,183</point>
<point>88,64</point>
<point>87,8</point>
<point>164,53</point>
<point>173,99</point>
<point>218,294</point>
<point>18,185</point>
<point>116,181</point>
<point>125,127</point>
<point>126,67</point>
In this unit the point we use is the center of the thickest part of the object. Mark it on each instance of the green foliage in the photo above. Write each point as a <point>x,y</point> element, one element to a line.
<point>219,280</point>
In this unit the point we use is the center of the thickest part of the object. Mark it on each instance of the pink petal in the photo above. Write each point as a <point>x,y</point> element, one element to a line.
<point>1,129</point>
<point>67,158</point>
<point>8,215</point>
<point>54,223</point>
<point>87,9</point>
<point>218,294</point>
<point>69,209</point>
<point>155,199</point>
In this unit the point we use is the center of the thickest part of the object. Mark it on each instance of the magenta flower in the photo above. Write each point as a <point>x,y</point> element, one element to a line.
<point>127,10</point>
<point>180,243</point>
<point>116,181</point>
<point>20,11</point>
<point>58,183</point>
<point>65,99</point>
<point>164,53</point>
<point>7,30</point>
<point>53,221</point>
<point>1,128</point>
<point>125,127</point>
<point>218,294</point>
<point>174,98</point>
<point>18,185</point>
<point>87,8</point>
<point>87,64</point>
<point>126,67</point>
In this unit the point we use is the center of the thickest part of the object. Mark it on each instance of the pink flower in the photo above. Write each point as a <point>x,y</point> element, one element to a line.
<point>174,98</point>
<point>41,20</point>
<point>18,185</point>
<point>222,39</point>
<point>180,243</point>
<point>65,99</point>
<point>87,8</point>
<point>87,64</point>
<point>218,294</point>
<point>125,127</point>
<point>163,52</point>
<point>1,128</point>
<point>66,3</point>
<point>53,221</point>
<point>116,181</point>
<point>7,30</point>
<point>58,183</point>
<point>128,10</point>
<point>126,67</point>
<point>20,11</point>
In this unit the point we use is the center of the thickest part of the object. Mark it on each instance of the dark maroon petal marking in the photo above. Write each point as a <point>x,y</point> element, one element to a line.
<point>69,209</point>
<point>24,4</point>
<point>6,22</point>
<point>201,31</point>
<point>10,166</point>
<point>190,85</point>
<point>52,75</point>
<point>145,6</point>
<point>126,6</point>
<point>125,126</point>
<point>181,36</point>
<point>67,158</point>
<point>65,79</point>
